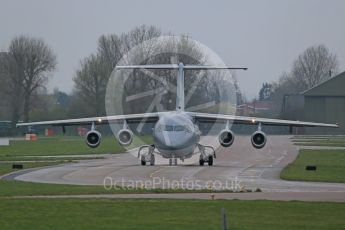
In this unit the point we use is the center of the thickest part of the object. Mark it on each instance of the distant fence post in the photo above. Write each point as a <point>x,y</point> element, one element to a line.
<point>224,220</point>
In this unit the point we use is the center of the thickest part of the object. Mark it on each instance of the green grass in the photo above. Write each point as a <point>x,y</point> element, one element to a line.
<point>43,158</point>
<point>62,146</point>
<point>330,166</point>
<point>167,214</point>
<point>19,188</point>
<point>317,136</point>
<point>317,143</point>
<point>332,141</point>
<point>10,188</point>
<point>322,140</point>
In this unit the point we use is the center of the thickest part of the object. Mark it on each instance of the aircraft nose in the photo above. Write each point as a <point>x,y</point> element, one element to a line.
<point>176,140</point>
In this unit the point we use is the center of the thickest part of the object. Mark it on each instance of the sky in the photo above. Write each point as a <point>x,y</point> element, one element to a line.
<point>263,35</point>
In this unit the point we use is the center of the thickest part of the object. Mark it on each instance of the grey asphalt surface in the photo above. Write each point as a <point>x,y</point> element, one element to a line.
<point>240,164</point>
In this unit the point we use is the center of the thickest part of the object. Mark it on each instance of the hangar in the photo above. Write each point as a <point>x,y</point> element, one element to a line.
<point>325,102</point>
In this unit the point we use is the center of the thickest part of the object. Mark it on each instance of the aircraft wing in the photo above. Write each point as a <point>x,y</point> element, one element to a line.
<point>208,117</point>
<point>201,117</point>
<point>130,118</point>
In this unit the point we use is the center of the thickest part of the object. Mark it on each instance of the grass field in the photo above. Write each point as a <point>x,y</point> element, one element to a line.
<point>54,146</point>
<point>318,136</point>
<point>26,213</point>
<point>317,143</point>
<point>322,140</point>
<point>332,141</point>
<point>330,166</point>
<point>20,188</point>
<point>11,188</point>
<point>167,214</point>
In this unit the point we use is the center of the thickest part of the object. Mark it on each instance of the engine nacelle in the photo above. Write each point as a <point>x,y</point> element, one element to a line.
<point>226,138</point>
<point>93,138</point>
<point>125,137</point>
<point>258,139</point>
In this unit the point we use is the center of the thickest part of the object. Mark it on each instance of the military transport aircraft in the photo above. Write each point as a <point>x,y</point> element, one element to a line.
<point>176,133</point>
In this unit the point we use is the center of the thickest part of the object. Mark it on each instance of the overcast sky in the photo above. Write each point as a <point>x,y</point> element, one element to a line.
<point>266,36</point>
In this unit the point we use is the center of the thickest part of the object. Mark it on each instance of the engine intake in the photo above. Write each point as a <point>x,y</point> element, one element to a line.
<point>258,139</point>
<point>226,138</point>
<point>93,139</point>
<point>125,137</point>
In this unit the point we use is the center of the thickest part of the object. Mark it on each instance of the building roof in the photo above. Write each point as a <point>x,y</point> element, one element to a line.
<point>331,87</point>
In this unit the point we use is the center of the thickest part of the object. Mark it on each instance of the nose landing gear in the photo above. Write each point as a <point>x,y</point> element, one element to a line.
<point>171,161</point>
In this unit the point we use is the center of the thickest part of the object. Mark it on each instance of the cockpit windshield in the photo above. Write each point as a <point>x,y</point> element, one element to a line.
<point>168,128</point>
<point>176,128</point>
<point>179,128</point>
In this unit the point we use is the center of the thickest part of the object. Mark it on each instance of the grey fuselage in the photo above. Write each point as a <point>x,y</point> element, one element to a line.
<point>176,135</point>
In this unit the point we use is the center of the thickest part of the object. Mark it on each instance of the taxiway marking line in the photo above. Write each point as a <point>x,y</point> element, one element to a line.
<point>154,172</point>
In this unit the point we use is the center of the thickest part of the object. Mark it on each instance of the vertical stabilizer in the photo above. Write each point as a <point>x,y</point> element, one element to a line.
<point>180,88</point>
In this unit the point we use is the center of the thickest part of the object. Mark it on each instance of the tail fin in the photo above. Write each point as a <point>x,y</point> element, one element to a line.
<point>180,105</point>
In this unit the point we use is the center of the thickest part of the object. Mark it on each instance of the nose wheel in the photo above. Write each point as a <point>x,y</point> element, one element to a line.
<point>209,161</point>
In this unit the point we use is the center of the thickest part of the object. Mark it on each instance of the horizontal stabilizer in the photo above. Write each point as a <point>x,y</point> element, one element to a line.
<point>215,67</point>
<point>147,67</point>
<point>180,104</point>
<point>173,66</point>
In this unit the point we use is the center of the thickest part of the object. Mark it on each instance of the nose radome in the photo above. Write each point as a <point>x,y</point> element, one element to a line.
<point>176,140</point>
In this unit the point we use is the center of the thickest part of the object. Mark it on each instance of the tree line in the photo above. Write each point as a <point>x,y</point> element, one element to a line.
<point>24,70</point>
<point>27,64</point>
<point>314,65</point>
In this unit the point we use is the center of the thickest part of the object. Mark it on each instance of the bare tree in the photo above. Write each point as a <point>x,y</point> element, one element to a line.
<point>90,80</point>
<point>11,87</point>
<point>33,60</point>
<point>313,67</point>
<point>90,83</point>
<point>310,68</point>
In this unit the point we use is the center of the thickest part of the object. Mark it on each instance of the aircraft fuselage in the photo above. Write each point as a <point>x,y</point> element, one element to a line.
<point>176,135</point>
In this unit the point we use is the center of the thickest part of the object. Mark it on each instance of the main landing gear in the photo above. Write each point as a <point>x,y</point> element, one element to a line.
<point>145,153</point>
<point>207,154</point>
<point>171,161</point>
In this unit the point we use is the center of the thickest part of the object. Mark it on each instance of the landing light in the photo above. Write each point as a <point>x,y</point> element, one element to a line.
<point>99,120</point>
<point>253,120</point>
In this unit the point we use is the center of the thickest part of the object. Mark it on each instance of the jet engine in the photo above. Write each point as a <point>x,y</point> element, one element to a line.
<point>93,139</point>
<point>125,137</point>
<point>226,138</point>
<point>258,139</point>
